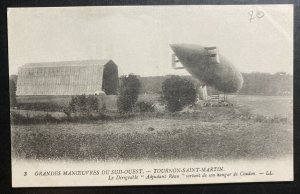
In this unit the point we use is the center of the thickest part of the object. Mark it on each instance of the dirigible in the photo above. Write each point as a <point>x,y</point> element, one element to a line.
<point>208,66</point>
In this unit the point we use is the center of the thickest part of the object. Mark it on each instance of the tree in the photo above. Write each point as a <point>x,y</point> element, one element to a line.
<point>110,79</point>
<point>12,93</point>
<point>178,92</point>
<point>128,92</point>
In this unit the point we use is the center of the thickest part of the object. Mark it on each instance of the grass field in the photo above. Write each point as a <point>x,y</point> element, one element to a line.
<point>265,105</point>
<point>211,133</point>
<point>168,139</point>
<point>262,105</point>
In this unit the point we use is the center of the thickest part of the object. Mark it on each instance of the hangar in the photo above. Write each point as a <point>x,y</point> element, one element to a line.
<point>68,78</point>
<point>57,82</point>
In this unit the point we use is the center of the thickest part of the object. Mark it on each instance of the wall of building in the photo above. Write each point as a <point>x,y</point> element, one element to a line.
<point>64,80</point>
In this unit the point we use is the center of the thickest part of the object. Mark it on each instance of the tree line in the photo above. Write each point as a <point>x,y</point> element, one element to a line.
<point>256,83</point>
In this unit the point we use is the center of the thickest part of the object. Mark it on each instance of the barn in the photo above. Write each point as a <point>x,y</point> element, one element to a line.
<point>59,81</point>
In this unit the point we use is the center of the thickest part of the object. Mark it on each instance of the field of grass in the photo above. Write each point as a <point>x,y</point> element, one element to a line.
<point>268,106</point>
<point>264,105</point>
<point>210,133</point>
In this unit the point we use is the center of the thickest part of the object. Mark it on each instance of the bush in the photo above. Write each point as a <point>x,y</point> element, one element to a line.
<point>41,106</point>
<point>17,118</point>
<point>128,92</point>
<point>178,92</point>
<point>83,104</point>
<point>144,107</point>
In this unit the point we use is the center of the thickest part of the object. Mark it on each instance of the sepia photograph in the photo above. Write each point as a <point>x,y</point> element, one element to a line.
<point>151,95</point>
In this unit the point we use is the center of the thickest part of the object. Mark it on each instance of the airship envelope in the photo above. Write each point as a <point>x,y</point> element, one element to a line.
<point>209,67</point>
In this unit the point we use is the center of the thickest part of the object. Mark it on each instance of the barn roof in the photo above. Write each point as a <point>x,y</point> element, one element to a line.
<point>67,63</point>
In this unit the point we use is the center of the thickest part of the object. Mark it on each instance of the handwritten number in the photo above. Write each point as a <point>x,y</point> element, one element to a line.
<point>258,14</point>
<point>251,15</point>
<point>25,173</point>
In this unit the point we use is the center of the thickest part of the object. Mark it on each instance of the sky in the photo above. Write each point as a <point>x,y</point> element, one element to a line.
<point>137,38</point>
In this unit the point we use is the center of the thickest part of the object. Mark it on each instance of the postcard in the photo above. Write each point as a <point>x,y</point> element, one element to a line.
<point>151,95</point>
